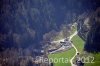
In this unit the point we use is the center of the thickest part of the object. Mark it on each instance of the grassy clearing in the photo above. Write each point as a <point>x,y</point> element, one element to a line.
<point>97,63</point>
<point>66,55</point>
<point>78,42</point>
<point>96,60</point>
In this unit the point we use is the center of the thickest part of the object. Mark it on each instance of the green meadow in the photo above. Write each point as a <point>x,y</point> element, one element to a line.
<point>67,55</point>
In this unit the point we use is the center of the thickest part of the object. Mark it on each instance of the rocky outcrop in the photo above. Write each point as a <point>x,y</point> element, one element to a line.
<point>93,38</point>
<point>83,25</point>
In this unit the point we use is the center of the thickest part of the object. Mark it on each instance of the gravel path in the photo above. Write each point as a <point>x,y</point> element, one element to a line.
<point>71,61</point>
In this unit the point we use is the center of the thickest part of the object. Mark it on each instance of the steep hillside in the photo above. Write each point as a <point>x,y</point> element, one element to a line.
<point>91,36</point>
<point>24,22</point>
<point>93,40</point>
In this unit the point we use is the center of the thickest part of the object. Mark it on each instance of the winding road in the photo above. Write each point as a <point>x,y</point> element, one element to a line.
<point>71,61</point>
<point>70,38</point>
